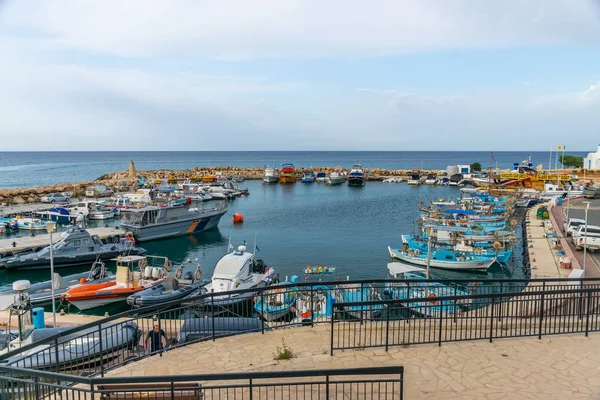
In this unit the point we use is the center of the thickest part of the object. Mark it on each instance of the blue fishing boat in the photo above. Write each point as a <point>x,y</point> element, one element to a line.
<point>278,303</point>
<point>478,252</point>
<point>445,259</point>
<point>352,293</point>
<point>422,289</point>
<point>320,305</point>
<point>60,215</point>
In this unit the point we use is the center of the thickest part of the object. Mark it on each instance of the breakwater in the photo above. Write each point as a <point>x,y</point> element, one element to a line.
<point>127,179</point>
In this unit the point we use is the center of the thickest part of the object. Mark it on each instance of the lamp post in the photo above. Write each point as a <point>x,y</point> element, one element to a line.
<point>586,207</point>
<point>51,227</point>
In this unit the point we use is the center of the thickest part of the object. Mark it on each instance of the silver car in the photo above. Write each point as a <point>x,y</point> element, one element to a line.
<point>55,198</point>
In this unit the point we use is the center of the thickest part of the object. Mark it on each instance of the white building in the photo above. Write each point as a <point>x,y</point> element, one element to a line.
<point>592,161</point>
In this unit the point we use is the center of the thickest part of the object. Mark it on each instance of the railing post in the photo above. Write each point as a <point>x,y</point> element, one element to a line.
<point>454,313</point>
<point>212,308</point>
<point>492,318</point>
<point>172,390</point>
<point>56,355</point>
<point>312,307</point>
<point>587,312</point>
<point>332,326</point>
<point>541,317</point>
<point>37,387</point>
<point>361,307</point>
<point>262,310</point>
<point>159,337</point>
<point>101,350</point>
<point>250,386</point>
<point>327,386</point>
<point>387,327</point>
<point>440,329</point>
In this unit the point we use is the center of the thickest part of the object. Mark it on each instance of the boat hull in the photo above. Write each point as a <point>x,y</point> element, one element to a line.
<point>287,179</point>
<point>335,181</point>
<point>176,228</point>
<point>356,181</point>
<point>270,179</point>
<point>475,264</point>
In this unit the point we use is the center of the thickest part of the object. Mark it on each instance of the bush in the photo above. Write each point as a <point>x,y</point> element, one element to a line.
<point>475,166</point>
<point>283,352</point>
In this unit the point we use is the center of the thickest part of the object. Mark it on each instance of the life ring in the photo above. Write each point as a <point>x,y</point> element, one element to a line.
<point>197,274</point>
<point>130,237</point>
<point>432,296</point>
<point>179,273</point>
<point>168,265</point>
<point>142,264</point>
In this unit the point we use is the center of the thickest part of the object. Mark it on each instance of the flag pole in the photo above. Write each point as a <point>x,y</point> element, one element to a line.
<point>229,243</point>
<point>550,160</point>
<point>254,250</point>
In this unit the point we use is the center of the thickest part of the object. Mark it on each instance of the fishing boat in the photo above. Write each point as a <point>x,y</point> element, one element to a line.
<point>355,292</point>
<point>277,303</point>
<point>134,274</point>
<point>181,285</point>
<point>29,224</point>
<point>76,247</point>
<point>356,176</point>
<point>234,272</point>
<point>173,219</point>
<point>422,289</point>
<point>321,177</point>
<point>308,177</point>
<point>445,259</point>
<point>238,178</point>
<point>40,293</point>
<point>335,178</point>
<point>464,247</point>
<point>526,203</point>
<point>287,174</point>
<point>270,175</point>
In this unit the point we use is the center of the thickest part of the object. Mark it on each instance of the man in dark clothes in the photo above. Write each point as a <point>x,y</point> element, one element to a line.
<point>156,339</point>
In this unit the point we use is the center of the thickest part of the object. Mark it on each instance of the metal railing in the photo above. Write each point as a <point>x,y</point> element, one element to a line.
<point>364,383</point>
<point>93,349</point>
<point>538,311</point>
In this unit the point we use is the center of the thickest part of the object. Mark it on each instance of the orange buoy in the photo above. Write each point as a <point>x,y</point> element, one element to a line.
<point>238,218</point>
<point>82,280</point>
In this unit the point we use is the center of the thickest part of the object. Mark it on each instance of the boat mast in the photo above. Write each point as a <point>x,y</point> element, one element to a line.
<point>428,252</point>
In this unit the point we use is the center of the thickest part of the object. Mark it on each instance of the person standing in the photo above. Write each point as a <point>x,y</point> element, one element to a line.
<point>156,339</point>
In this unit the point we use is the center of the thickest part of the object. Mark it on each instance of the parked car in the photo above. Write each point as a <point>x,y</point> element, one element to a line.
<point>98,191</point>
<point>589,239</point>
<point>592,193</point>
<point>571,225</point>
<point>55,198</point>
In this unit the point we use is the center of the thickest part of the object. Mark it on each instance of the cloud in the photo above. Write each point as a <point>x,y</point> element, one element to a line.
<point>232,29</point>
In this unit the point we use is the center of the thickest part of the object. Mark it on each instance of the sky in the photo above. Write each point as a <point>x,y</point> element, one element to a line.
<point>299,75</point>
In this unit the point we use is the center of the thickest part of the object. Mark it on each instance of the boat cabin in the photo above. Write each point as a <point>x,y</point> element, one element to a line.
<point>235,269</point>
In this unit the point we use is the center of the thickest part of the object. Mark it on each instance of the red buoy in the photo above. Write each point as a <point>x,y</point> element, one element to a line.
<point>238,218</point>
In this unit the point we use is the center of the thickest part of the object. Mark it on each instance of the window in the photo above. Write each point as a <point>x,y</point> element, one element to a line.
<point>76,243</point>
<point>448,257</point>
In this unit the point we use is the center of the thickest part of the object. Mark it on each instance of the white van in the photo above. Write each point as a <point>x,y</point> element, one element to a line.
<point>591,237</point>
<point>572,224</point>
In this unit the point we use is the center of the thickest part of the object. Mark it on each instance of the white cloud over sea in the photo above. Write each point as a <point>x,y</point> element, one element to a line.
<point>288,75</point>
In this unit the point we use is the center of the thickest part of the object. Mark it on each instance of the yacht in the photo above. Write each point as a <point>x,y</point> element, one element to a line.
<point>94,210</point>
<point>287,174</point>
<point>270,175</point>
<point>335,178</point>
<point>234,272</point>
<point>356,176</point>
<point>415,179</point>
<point>76,247</point>
<point>173,219</point>
<point>308,177</point>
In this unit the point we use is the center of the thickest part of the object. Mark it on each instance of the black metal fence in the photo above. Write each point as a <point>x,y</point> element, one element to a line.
<point>538,311</point>
<point>412,311</point>
<point>364,383</point>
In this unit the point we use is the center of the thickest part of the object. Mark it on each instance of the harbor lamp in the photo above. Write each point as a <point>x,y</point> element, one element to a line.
<point>586,208</point>
<point>51,227</point>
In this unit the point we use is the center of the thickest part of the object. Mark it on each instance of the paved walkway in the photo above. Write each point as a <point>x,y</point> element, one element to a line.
<point>557,367</point>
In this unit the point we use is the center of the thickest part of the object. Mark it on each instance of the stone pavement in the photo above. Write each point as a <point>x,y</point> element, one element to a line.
<point>556,367</point>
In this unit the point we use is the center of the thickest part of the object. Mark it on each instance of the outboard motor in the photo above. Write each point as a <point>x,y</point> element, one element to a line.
<point>97,271</point>
<point>259,266</point>
<point>188,276</point>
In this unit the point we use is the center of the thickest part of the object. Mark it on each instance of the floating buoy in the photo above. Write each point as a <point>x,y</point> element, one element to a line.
<point>238,218</point>
<point>82,280</point>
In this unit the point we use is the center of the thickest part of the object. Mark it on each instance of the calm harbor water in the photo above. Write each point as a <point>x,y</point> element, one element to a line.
<point>25,169</point>
<point>313,224</point>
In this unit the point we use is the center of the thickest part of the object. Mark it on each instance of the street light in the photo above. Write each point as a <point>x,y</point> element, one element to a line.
<point>586,207</point>
<point>51,227</point>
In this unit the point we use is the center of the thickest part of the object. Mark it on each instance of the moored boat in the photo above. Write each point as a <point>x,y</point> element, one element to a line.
<point>356,177</point>
<point>321,176</point>
<point>336,178</point>
<point>308,177</point>
<point>444,259</point>
<point>270,175</point>
<point>277,303</point>
<point>126,282</point>
<point>287,174</point>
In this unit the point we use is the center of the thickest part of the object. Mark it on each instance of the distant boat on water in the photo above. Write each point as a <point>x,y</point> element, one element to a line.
<point>356,176</point>
<point>287,174</point>
<point>270,175</point>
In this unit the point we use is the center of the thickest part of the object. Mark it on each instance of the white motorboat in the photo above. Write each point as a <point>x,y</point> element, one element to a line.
<point>30,224</point>
<point>431,179</point>
<point>551,190</point>
<point>414,179</point>
<point>270,175</point>
<point>335,178</point>
<point>234,272</point>
<point>94,210</point>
